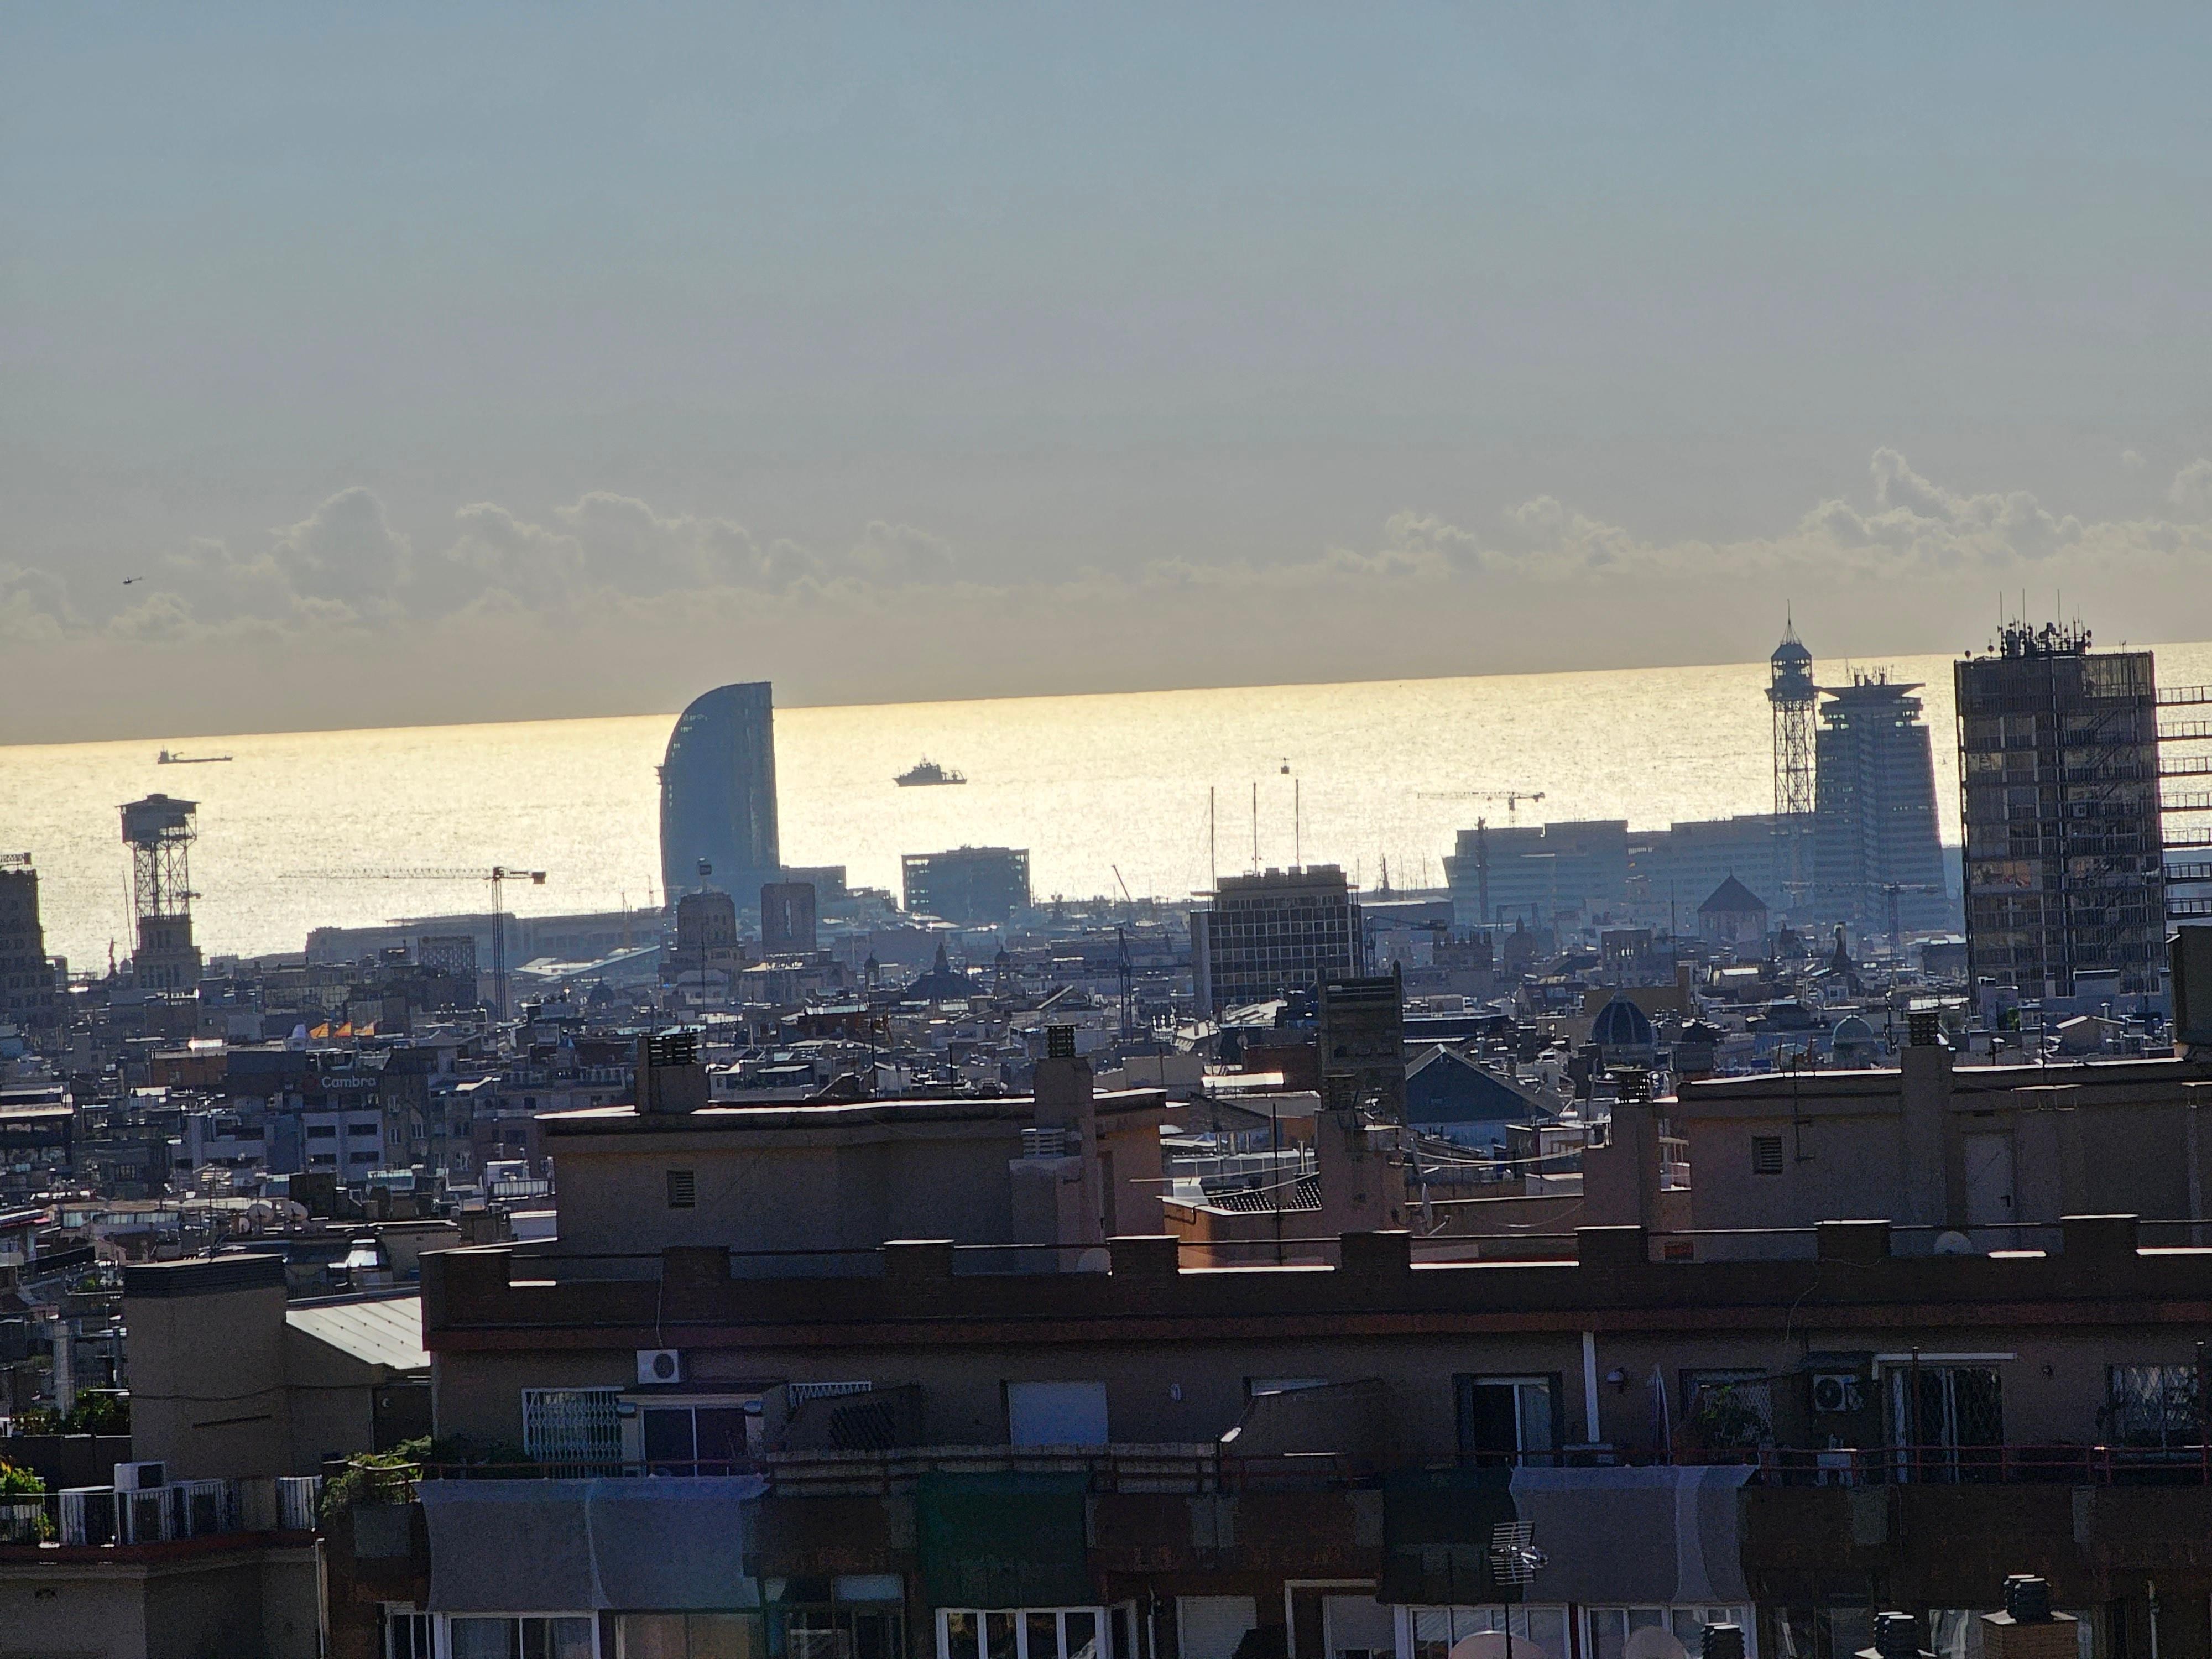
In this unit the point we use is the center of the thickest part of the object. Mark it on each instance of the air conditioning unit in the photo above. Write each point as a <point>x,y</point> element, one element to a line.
<point>658,1365</point>
<point>1838,1391</point>
<point>140,1477</point>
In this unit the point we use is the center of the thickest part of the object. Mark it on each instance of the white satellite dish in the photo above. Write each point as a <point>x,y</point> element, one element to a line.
<point>1953,1243</point>
<point>1653,1641</point>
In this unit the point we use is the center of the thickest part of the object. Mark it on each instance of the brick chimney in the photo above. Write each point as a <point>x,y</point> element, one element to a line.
<point>2027,1629</point>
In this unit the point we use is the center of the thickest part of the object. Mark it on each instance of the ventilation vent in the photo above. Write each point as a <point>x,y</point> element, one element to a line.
<point>683,1188</point>
<point>1046,1143</point>
<point>1767,1154</point>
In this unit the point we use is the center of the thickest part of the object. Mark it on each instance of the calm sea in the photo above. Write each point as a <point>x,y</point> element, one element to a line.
<point>1102,791</point>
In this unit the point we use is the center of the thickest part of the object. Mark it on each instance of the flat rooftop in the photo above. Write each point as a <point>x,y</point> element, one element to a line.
<point>725,1117</point>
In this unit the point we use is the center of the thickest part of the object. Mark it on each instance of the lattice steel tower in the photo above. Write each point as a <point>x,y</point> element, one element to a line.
<point>159,833</point>
<point>1790,690</point>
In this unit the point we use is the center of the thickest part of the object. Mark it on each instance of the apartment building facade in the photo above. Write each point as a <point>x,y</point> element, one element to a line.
<point>923,1459</point>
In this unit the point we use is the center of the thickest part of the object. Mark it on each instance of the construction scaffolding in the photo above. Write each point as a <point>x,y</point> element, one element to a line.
<point>2059,781</point>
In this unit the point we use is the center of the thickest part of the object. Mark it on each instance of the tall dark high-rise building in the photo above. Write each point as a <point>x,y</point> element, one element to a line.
<point>718,794</point>
<point>1875,850</point>
<point>26,977</point>
<point>2058,769</point>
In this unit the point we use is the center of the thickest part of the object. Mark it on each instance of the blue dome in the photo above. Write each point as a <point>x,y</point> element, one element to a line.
<point>1791,651</point>
<point>1621,1024</point>
<point>1852,1029</point>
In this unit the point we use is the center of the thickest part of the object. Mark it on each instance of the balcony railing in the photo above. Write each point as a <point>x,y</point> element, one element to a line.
<point>100,1517</point>
<point>1200,1469</point>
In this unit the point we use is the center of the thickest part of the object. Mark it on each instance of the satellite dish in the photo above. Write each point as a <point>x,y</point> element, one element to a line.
<point>1654,1641</point>
<point>1953,1243</point>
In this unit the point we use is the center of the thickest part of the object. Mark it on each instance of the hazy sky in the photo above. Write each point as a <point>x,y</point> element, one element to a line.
<point>451,362</point>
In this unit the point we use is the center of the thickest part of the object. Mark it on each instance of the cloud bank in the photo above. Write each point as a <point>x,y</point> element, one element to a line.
<point>610,601</point>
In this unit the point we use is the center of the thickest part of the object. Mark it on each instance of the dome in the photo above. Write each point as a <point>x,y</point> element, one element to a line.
<point>1621,1024</point>
<point>1791,653</point>
<point>1852,1029</point>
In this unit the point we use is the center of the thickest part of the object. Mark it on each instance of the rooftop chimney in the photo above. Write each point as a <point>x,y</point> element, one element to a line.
<point>2027,1628</point>
<point>1896,1636</point>
<point>670,1076</point>
<point>1722,1641</point>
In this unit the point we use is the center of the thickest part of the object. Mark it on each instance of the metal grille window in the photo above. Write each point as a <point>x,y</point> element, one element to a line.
<point>683,1189</point>
<point>572,1426</point>
<point>1729,1410</point>
<point>2151,1404</point>
<point>1767,1154</point>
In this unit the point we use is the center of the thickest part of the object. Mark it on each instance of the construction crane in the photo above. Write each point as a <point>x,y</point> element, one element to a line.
<point>1892,889</point>
<point>1512,798</point>
<point>498,875</point>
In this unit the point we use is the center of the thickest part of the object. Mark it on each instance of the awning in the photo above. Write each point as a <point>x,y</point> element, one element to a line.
<point>1004,1540</point>
<point>1437,1530</point>
<point>1648,1535</point>
<point>646,1545</point>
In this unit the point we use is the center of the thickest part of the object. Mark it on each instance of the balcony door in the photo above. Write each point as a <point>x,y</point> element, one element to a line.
<point>1946,1420</point>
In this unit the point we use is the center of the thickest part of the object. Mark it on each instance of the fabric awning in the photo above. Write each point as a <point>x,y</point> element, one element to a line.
<point>1437,1529</point>
<point>1004,1540</point>
<point>1647,1535</point>
<point>645,1545</point>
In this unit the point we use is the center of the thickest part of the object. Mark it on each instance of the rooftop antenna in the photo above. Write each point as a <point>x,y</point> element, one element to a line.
<point>1297,820</point>
<point>1255,826</point>
<point>1516,1560</point>
<point>1212,855</point>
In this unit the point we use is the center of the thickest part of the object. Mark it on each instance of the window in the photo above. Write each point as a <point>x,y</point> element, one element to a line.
<point>1677,1632</point>
<point>1509,1420</point>
<point>690,1636</point>
<point>1024,1633</point>
<point>1056,1413</point>
<point>1358,1627</point>
<point>683,1189</point>
<point>680,1439</point>
<point>571,1425</point>
<point>1767,1154</point>
<point>1211,1626</point>
<point>2151,1406</point>
<point>1436,1631</point>
<point>1727,1410</point>
<point>1947,1421</point>
<point>407,1633</point>
<point>845,1628</point>
<point>525,1636</point>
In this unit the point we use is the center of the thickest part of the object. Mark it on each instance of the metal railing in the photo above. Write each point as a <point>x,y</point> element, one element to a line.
<point>1206,1469</point>
<point>100,1516</point>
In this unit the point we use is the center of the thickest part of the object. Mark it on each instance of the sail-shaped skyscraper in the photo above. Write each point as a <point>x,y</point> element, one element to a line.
<point>718,795</point>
